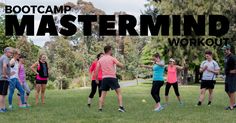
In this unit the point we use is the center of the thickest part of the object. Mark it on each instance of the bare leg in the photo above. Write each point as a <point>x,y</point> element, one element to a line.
<point>38,88</point>
<point>158,105</point>
<point>210,95</point>
<point>202,95</point>
<point>102,99</point>
<point>166,98</point>
<point>119,96</point>
<point>43,89</point>
<point>2,102</point>
<point>232,100</point>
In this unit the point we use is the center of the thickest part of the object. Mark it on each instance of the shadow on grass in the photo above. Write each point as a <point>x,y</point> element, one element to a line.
<point>190,84</point>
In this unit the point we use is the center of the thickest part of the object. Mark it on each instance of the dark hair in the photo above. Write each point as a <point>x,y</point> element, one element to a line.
<point>98,55</point>
<point>107,49</point>
<point>157,55</point>
<point>208,52</point>
<point>22,56</point>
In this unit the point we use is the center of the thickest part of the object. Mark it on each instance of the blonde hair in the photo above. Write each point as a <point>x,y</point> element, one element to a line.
<point>16,51</point>
<point>41,55</point>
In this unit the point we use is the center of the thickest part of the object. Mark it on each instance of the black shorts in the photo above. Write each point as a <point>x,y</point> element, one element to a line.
<point>230,84</point>
<point>208,84</point>
<point>109,83</point>
<point>41,81</point>
<point>3,87</point>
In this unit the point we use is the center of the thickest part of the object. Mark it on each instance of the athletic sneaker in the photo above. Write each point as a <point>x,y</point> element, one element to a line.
<point>228,108</point>
<point>100,110</point>
<point>23,106</point>
<point>5,109</point>
<point>199,103</point>
<point>209,103</point>
<point>159,109</point>
<point>10,107</point>
<point>121,109</point>
<point>2,111</point>
<point>89,100</point>
<point>181,104</point>
<point>89,105</point>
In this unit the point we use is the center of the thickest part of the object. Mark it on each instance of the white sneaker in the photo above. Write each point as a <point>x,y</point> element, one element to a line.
<point>89,100</point>
<point>10,107</point>
<point>159,109</point>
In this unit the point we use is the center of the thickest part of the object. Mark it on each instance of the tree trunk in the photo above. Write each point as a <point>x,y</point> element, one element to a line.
<point>84,80</point>
<point>185,76</point>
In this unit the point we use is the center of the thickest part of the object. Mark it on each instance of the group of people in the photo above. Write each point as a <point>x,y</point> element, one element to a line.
<point>13,76</point>
<point>103,74</point>
<point>103,71</point>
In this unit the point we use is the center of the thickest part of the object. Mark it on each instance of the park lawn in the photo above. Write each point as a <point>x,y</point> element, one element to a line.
<point>69,106</point>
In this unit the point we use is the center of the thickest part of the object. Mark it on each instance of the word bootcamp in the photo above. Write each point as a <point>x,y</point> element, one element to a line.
<point>174,26</point>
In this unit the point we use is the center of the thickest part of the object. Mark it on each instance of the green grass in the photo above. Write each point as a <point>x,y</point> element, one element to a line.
<point>70,106</point>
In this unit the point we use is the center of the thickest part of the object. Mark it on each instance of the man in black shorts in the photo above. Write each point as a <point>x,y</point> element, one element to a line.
<point>109,81</point>
<point>210,69</point>
<point>230,73</point>
<point>4,77</point>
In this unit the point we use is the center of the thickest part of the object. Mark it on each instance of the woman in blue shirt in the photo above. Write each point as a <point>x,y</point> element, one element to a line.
<point>158,80</point>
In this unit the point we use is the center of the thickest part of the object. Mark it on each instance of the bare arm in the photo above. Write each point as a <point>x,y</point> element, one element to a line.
<point>120,65</point>
<point>215,71</point>
<point>179,67</point>
<point>202,69</point>
<point>12,62</point>
<point>233,71</point>
<point>33,66</point>
<point>4,71</point>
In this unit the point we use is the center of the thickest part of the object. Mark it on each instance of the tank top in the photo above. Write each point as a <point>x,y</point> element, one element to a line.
<point>171,74</point>
<point>15,69</point>
<point>22,73</point>
<point>42,70</point>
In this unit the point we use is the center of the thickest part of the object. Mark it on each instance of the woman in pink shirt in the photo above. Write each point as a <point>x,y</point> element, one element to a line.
<point>94,84</point>
<point>41,77</point>
<point>172,80</point>
<point>22,80</point>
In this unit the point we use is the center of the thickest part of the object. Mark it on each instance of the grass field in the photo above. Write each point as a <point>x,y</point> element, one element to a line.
<point>70,106</point>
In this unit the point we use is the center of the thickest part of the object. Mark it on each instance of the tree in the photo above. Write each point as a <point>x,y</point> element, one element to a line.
<point>61,60</point>
<point>30,51</point>
<point>185,7</point>
<point>5,41</point>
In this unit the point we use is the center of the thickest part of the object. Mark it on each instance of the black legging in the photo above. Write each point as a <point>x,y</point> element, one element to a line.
<point>155,92</point>
<point>94,86</point>
<point>175,86</point>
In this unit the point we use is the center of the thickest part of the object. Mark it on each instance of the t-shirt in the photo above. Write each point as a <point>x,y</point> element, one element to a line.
<point>230,63</point>
<point>93,68</point>
<point>158,72</point>
<point>171,74</point>
<point>108,66</point>
<point>15,69</point>
<point>4,60</point>
<point>211,65</point>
